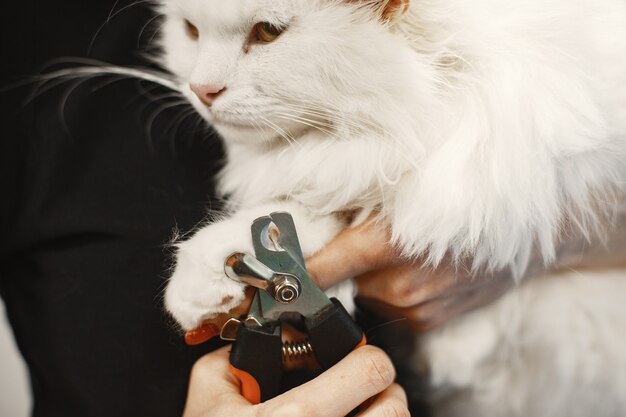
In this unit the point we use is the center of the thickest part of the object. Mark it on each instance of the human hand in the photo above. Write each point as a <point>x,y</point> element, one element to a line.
<point>362,379</point>
<point>388,283</point>
<point>427,297</point>
<point>398,288</point>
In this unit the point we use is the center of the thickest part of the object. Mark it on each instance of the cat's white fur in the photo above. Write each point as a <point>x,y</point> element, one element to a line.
<point>480,129</point>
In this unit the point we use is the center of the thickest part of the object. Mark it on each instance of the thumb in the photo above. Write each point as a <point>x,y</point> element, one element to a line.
<point>212,387</point>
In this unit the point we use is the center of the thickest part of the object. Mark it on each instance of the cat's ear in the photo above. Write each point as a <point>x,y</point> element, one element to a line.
<point>387,10</point>
<point>394,9</point>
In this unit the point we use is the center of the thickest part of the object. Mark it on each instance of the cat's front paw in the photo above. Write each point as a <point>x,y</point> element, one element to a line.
<point>198,288</point>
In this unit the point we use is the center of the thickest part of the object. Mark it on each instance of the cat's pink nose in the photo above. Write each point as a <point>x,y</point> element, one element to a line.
<point>207,93</point>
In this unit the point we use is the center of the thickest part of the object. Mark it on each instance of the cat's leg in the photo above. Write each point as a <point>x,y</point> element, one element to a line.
<point>198,288</point>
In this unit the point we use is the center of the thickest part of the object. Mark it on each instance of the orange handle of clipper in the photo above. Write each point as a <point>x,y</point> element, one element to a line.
<point>250,388</point>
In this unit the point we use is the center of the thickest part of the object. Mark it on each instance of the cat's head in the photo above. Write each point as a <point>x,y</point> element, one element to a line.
<point>264,70</point>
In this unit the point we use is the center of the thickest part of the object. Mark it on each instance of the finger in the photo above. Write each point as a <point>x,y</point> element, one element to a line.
<point>433,313</point>
<point>362,374</point>
<point>352,252</point>
<point>473,299</point>
<point>211,385</point>
<point>404,285</point>
<point>391,402</point>
<point>421,318</point>
<point>411,284</point>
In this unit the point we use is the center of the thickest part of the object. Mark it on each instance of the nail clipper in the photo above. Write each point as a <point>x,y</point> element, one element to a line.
<point>285,294</point>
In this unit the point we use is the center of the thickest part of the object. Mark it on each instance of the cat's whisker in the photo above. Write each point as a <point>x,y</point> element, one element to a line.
<point>153,116</point>
<point>398,149</point>
<point>145,26</point>
<point>63,102</point>
<point>68,93</point>
<point>317,111</point>
<point>311,125</point>
<point>98,71</point>
<point>156,32</point>
<point>339,123</point>
<point>200,123</point>
<point>266,123</point>
<point>112,11</point>
<point>330,128</point>
<point>286,135</point>
<point>280,131</point>
<point>41,88</point>
<point>49,81</point>
<point>147,92</point>
<point>355,121</point>
<point>110,17</point>
<point>303,111</point>
<point>105,83</point>
<point>304,121</point>
<point>257,127</point>
<point>158,99</point>
<point>336,121</point>
<point>178,122</point>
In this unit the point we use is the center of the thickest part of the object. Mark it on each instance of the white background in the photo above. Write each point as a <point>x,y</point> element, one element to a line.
<point>14,385</point>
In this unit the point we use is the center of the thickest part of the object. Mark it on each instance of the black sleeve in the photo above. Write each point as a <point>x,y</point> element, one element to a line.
<point>89,201</point>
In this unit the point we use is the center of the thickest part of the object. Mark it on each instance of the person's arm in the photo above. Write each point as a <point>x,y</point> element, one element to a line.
<point>428,297</point>
<point>425,298</point>
<point>362,379</point>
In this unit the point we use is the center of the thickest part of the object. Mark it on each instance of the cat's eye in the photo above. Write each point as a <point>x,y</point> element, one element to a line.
<point>264,32</point>
<point>192,31</point>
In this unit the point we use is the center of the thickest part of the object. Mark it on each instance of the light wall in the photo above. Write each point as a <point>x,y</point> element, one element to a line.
<point>14,390</point>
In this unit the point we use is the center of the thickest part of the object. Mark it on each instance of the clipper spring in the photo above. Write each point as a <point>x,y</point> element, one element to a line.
<point>295,351</point>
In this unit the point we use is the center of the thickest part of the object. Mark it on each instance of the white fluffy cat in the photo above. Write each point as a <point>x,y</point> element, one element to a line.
<point>478,128</point>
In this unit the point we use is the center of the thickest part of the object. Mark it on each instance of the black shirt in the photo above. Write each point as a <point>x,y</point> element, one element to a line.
<point>89,202</point>
<point>95,176</point>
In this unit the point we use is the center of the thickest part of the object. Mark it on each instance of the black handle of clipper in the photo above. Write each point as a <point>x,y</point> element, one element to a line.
<point>256,360</point>
<point>333,334</point>
<point>256,356</point>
